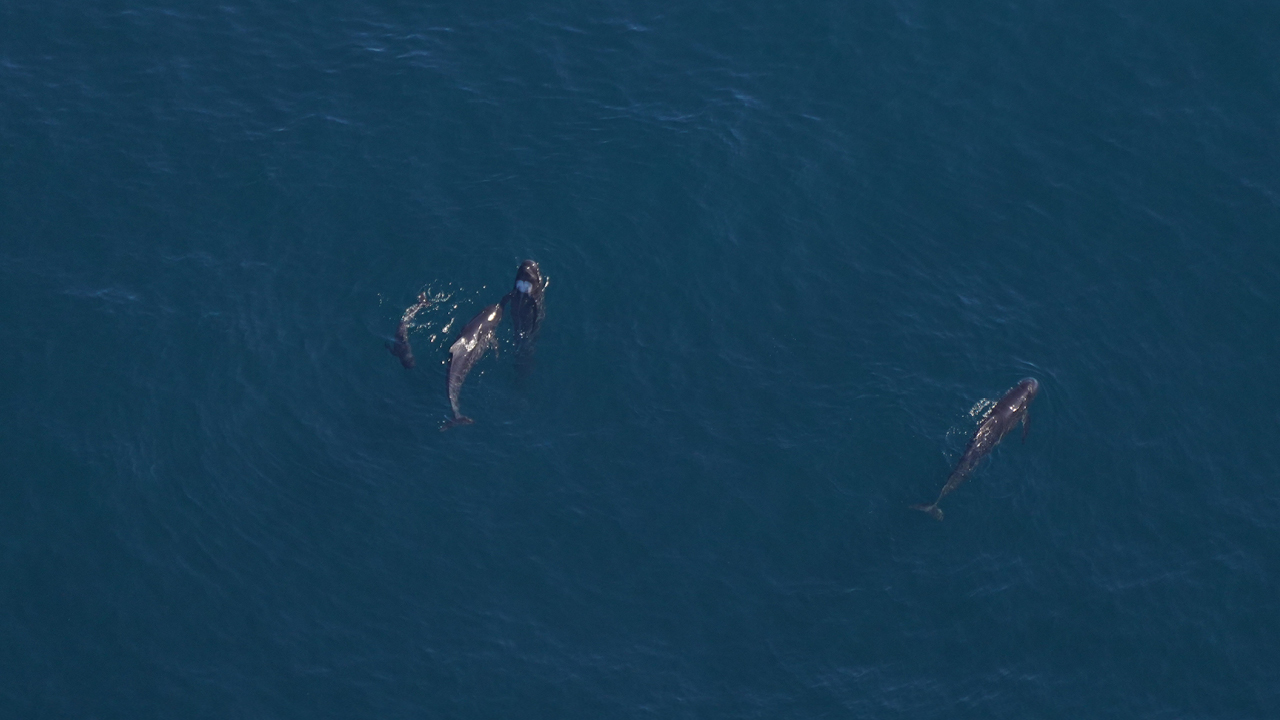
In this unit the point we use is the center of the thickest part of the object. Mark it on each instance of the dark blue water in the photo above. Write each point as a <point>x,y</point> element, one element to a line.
<point>792,248</point>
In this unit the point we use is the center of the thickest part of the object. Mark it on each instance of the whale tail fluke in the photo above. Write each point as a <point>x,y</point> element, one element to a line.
<point>933,510</point>
<point>459,420</point>
<point>402,351</point>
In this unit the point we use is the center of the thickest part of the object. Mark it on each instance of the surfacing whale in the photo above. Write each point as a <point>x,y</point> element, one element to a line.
<point>999,420</point>
<point>400,348</point>
<point>470,346</point>
<point>527,311</point>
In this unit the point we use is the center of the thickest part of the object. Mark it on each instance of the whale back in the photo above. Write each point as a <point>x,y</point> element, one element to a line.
<point>472,342</point>
<point>996,423</point>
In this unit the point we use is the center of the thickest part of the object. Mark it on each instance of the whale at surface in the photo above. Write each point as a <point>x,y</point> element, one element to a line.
<point>999,420</point>
<point>526,305</point>
<point>400,346</point>
<point>472,342</point>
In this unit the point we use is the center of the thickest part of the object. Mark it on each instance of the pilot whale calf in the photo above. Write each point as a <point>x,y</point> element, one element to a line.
<point>999,420</point>
<point>472,342</point>
<point>400,348</point>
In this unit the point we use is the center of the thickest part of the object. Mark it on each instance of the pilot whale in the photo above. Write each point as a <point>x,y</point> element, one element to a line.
<point>472,342</point>
<point>400,348</point>
<point>999,420</point>
<point>527,310</point>
<point>525,298</point>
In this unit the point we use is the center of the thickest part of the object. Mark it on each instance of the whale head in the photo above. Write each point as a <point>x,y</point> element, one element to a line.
<point>528,277</point>
<point>1030,387</point>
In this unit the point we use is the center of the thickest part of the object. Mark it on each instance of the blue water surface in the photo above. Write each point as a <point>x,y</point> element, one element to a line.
<point>792,250</point>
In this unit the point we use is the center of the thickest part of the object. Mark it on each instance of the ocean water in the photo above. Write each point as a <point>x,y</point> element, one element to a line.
<point>792,249</point>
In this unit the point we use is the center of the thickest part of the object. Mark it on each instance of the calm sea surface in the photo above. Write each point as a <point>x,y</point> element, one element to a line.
<point>792,250</point>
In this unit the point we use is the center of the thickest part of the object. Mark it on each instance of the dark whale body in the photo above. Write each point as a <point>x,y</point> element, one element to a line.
<point>527,310</point>
<point>999,420</point>
<point>470,346</point>
<point>400,347</point>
